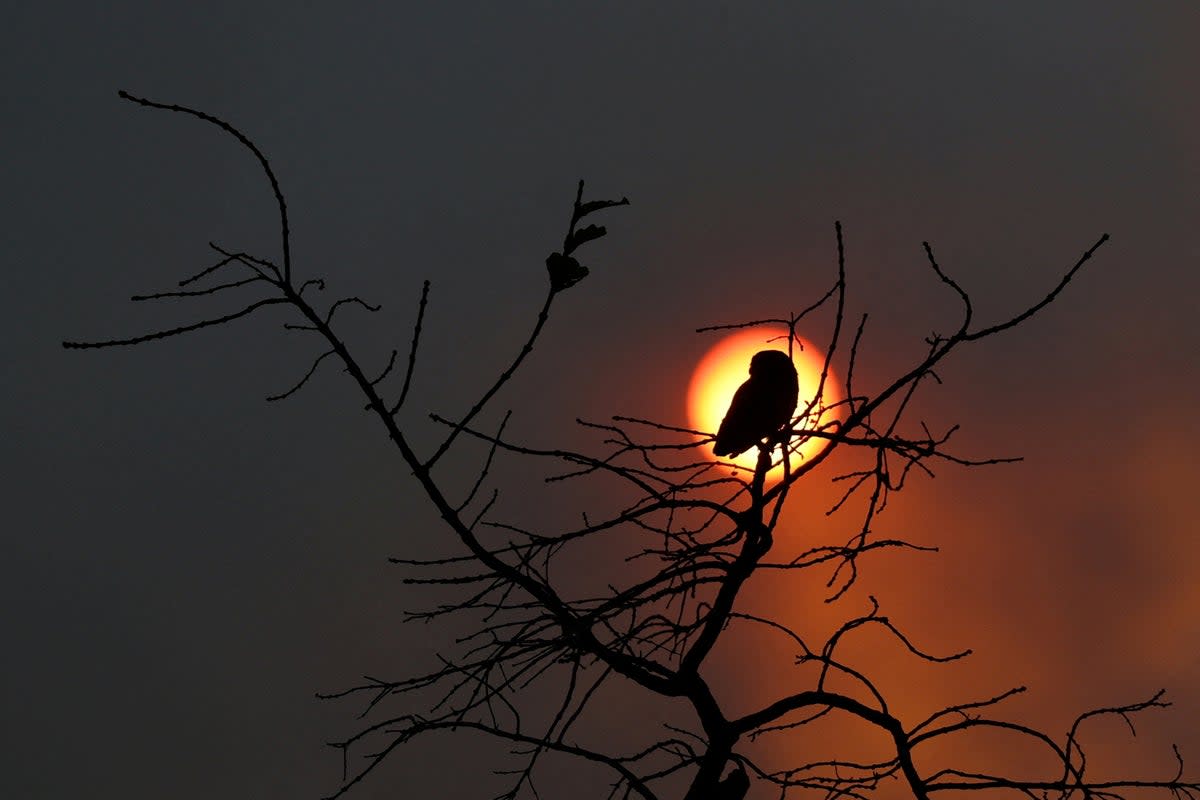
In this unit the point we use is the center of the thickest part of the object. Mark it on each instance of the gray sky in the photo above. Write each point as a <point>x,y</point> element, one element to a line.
<point>187,564</point>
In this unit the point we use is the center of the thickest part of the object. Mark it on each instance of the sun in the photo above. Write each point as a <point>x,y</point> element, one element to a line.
<point>725,367</point>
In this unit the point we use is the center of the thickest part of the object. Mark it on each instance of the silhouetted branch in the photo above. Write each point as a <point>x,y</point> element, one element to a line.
<point>1045,301</point>
<point>303,380</point>
<point>386,370</point>
<point>164,334</point>
<point>199,292</point>
<point>285,235</point>
<point>412,352</point>
<point>358,301</point>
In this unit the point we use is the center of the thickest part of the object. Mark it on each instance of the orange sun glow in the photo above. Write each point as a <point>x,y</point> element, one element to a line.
<point>726,366</point>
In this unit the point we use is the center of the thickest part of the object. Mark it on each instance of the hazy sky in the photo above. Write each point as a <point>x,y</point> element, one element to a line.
<point>186,564</point>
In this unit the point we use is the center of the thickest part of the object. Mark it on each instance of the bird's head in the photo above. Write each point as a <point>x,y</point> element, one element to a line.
<point>770,362</point>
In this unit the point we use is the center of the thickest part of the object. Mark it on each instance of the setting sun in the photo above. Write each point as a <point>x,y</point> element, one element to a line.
<point>725,367</point>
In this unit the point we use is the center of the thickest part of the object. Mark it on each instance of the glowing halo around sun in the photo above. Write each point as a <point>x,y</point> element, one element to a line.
<point>726,366</point>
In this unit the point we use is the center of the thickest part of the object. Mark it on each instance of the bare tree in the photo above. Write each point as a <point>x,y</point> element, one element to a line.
<point>703,528</point>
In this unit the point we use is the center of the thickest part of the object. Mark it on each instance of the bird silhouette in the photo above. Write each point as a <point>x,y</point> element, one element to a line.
<point>761,406</point>
<point>734,786</point>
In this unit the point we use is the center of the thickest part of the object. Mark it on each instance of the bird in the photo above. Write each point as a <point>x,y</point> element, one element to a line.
<point>734,786</point>
<point>761,406</point>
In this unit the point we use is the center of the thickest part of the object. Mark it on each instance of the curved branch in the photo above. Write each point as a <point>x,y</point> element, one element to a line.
<point>285,235</point>
<point>195,326</point>
<point>851,706</point>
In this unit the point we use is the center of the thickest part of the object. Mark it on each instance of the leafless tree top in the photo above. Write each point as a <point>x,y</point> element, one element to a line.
<point>702,529</point>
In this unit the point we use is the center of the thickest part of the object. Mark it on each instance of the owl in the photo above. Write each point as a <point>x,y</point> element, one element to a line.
<point>734,786</point>
<point>761,406</point>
